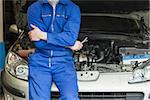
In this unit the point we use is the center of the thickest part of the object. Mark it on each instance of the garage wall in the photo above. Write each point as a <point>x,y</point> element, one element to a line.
<point>1,20</point>
<point>2,49</point>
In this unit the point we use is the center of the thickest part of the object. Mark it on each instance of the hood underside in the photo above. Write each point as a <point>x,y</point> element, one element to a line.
<point>109,6</point>
<point>113,6</point>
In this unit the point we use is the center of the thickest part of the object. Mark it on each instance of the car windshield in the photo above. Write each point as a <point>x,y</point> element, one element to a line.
<point>109,24</point>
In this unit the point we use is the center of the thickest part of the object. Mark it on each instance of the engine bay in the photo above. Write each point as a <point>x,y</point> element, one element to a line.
<point>103,55</point>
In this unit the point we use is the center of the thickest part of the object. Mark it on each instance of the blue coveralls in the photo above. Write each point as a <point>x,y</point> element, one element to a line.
<point>52,60</point>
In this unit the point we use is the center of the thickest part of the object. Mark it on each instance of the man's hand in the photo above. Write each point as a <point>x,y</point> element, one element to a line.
<point>36,34</point>
<point>77,46</point>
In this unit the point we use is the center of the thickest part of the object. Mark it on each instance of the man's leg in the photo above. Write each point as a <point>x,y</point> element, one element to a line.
<point>39,78</point>
<point>65,79</point>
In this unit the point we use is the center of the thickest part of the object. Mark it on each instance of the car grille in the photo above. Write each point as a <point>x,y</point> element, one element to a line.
<point>105,96</point>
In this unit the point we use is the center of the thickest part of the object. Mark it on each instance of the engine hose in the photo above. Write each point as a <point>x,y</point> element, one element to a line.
<point>101,57</point>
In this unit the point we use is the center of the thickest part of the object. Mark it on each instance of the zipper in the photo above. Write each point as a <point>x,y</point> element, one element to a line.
<point>50,58</point>
<point>49,61</point>
<point>51,53</point>
<point>52,26</point>
<point>54,13</point>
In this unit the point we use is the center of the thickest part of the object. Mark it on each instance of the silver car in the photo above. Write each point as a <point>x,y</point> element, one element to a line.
<point>114,63</point>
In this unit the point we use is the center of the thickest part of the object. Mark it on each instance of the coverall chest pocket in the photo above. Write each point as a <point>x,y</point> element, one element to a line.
<point>61,19</point>
<point>47,19</point>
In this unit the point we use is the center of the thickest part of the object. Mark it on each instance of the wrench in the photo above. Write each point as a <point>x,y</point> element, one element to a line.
<point>85,40</point>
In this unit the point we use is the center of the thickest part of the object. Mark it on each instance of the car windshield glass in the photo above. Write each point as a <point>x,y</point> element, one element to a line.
<point>109,24</point>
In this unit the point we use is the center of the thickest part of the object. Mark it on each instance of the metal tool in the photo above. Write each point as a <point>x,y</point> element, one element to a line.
<point>85,40</point>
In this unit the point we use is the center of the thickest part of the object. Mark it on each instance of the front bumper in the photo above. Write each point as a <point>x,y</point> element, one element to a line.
<point>13,87</point>
<point>106,83</point>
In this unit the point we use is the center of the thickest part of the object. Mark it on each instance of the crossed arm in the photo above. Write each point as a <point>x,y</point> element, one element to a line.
<point>36,35</point>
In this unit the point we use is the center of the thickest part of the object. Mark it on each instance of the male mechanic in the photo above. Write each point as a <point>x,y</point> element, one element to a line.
<point>54,27</point>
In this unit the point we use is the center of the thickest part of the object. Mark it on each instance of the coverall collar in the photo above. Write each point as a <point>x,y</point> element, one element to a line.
<point>61,1</point>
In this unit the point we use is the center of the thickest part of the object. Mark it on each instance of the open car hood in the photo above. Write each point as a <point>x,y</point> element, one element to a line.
<point>112,6</point>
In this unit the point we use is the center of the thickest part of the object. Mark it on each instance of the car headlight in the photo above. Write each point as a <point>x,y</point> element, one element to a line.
<point>140,75</point>
<point>17,66</point>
